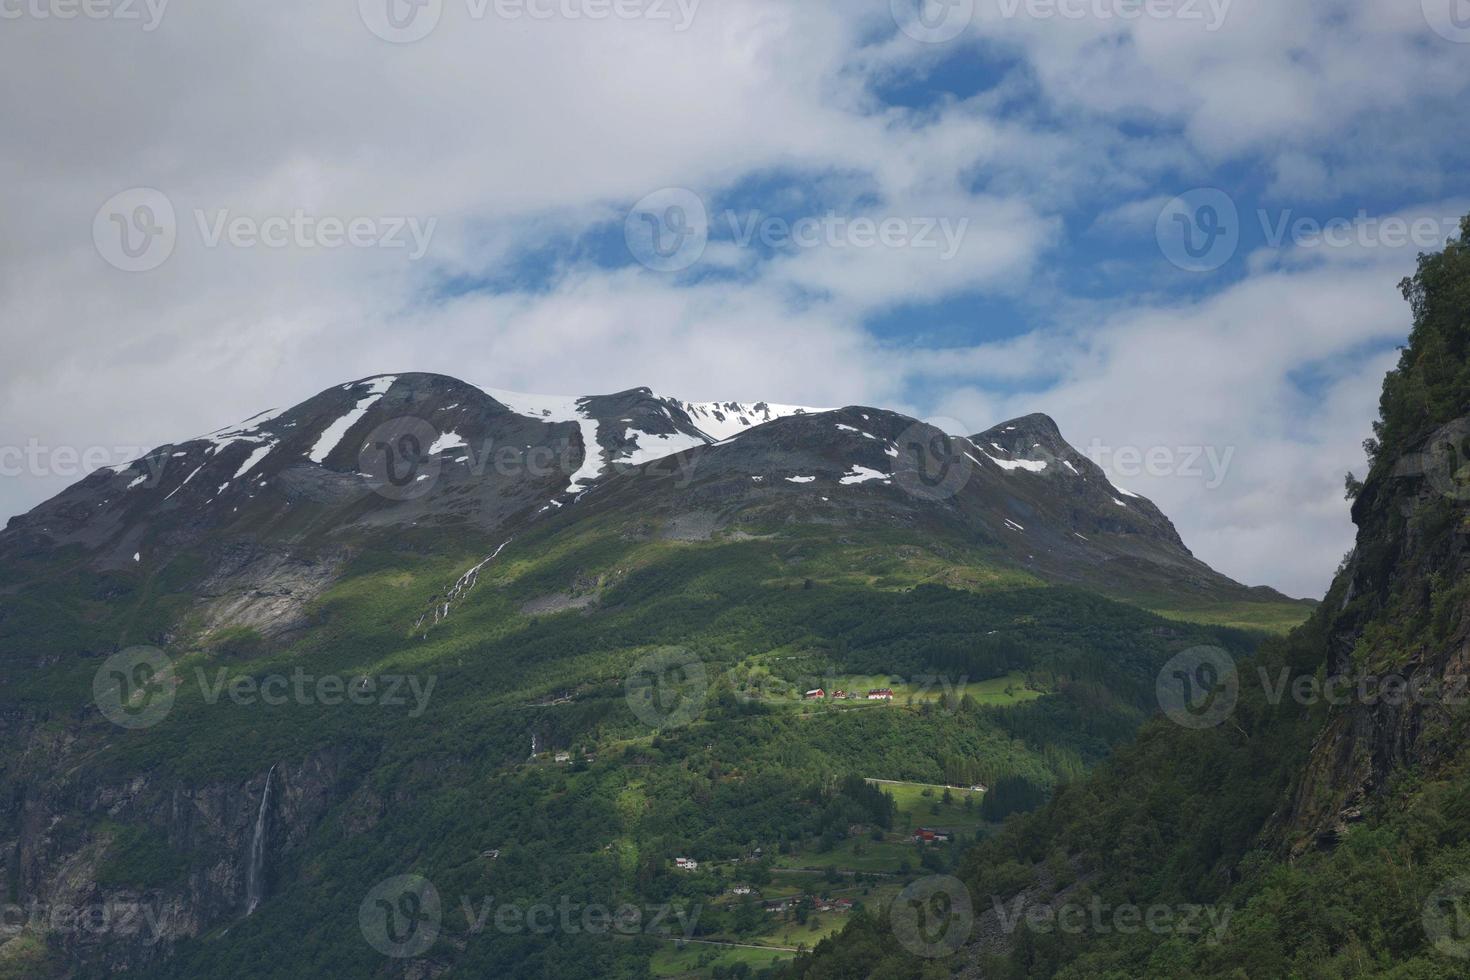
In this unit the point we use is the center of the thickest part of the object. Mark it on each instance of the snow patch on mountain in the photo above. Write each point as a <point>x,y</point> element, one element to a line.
<point>861,474</point>
<point>446,442</point>
<point>334,433</point>
<point>726,420</point>
<point>1029,465</point>
<point>560,408</point>
<point>185,483</point>
<point>260,453</point>
<point>649,447</point>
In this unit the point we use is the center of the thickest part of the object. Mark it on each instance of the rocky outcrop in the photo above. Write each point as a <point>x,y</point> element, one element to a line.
<point>1398,643</point>
<point>72,835</point>
<point>265,589</point>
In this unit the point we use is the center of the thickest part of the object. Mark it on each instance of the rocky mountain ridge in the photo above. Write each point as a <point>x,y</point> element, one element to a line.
<point>291,488</point>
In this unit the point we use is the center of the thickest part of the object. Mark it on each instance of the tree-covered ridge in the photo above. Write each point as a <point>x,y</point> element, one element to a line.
<point>1431,384</point>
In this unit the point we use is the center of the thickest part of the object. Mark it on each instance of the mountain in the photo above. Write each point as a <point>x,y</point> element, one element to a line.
<point>1305,810</point>
<point>278,500</point>
<point>265,688</point>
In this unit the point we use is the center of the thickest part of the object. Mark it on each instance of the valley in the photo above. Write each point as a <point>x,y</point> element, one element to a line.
<point>522,707</point>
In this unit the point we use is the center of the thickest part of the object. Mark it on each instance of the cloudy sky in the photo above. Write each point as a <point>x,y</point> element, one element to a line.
<point>1107,210</point>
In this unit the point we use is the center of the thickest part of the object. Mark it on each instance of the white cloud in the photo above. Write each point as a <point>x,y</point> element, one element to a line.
<point>520,136</point>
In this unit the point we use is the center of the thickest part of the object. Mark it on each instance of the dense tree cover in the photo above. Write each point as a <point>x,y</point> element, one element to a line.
<point>755,768</point>
<point>1012,794</point>
<point>1195,818</point>
<point>1429,387</point>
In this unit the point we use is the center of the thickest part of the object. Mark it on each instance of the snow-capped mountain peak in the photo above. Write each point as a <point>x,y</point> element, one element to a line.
<point>725,420</point>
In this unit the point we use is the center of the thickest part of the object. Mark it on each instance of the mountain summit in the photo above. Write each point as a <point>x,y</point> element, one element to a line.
<point>423,453</point>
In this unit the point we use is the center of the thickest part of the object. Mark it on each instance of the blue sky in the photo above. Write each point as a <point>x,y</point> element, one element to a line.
<point>1034,167</point>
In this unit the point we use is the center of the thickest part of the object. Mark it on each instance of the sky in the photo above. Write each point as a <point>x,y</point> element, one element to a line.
<point>1176,226</point>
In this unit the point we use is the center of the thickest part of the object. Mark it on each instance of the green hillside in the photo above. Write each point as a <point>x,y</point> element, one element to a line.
<point>1002,682</point>
<point>1327,837</point>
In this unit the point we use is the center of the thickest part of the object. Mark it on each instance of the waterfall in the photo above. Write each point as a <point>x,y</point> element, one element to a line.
<point>255,872</point>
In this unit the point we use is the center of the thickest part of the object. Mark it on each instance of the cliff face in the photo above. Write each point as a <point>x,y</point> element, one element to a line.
<point>1398,640</point>
<point>119,867</point>
<point>1398,630</point>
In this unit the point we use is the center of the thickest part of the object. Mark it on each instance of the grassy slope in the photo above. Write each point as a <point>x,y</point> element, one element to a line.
<point>743,772</point>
